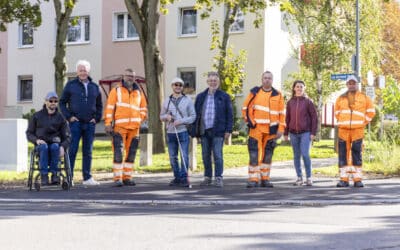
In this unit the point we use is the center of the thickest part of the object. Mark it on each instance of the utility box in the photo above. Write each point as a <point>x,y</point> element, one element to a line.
<point>13,145</point>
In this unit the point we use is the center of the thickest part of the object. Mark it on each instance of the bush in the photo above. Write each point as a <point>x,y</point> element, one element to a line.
<point>29,115</point>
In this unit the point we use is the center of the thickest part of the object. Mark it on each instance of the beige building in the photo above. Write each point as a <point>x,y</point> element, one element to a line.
<point>106,37</point>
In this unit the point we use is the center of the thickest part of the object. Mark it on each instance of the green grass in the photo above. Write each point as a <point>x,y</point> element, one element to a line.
<point>234,156</point>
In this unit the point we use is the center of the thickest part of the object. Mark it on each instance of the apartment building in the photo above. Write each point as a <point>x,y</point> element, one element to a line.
<point>106,37</point>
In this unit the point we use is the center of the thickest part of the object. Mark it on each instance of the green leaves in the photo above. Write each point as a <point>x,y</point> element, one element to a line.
<point>19,10</point>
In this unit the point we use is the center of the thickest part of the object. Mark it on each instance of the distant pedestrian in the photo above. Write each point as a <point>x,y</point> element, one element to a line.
<point>264,112</point>
<point>301,126</point>
<point>126,110</point>
<point>353,111</point>
<point>214,123</point>
<point>82,106</point>
<point>178,112</point>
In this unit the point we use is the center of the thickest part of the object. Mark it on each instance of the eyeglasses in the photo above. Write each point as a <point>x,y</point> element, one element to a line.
<point>53,101</point>
<point>129,75</point>
<point>178,84</point>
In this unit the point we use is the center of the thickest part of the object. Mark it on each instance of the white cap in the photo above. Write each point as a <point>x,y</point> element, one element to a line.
<point>352,78</point>
<point>177,79</point>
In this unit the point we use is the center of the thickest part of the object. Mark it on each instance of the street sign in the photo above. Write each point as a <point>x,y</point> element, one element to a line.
<point>370,91</point>
<point>340,76</point>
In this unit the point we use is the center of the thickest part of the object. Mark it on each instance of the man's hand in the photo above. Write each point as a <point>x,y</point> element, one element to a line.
<point>226,136</point>
<point>108,129</point>
<point>177,122</point>
<point>286,138</point>
<point>278,135</point>
<point>62,151</point>
<point>312,137</point>
<point>40,142</point>
<point>73,119</point>
<point>93,121</point>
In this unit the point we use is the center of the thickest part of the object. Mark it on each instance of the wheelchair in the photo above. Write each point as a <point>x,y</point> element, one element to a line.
<point>63,170</point>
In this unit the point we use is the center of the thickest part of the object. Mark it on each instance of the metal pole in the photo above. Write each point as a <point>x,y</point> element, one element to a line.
<point>358,66</point>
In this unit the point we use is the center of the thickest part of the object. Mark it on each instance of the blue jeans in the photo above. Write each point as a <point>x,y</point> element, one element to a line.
<point>86,131</point>
<point>212,144</point>
<point>301,148</point>
<point>49,155</point>
<point>180,172</point>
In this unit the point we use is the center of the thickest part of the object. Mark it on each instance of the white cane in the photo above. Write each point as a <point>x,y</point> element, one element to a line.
<point>183,158</point>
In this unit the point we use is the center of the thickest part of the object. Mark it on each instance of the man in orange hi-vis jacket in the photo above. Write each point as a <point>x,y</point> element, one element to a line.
<point>126,109</point>
<point>353,111</point>
<point>264,112</point>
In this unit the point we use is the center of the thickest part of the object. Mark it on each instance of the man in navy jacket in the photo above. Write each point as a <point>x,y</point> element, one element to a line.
<point>213,125</point>
<point>82,106</point>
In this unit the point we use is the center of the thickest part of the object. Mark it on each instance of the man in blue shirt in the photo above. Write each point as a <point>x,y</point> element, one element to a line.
<point>82,106</point>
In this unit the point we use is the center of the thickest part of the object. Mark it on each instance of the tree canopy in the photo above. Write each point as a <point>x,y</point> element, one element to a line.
<point>21,11</point>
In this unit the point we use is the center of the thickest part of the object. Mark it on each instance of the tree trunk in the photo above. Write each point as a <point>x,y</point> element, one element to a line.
<point>62,20</point>
<point>145,18</point>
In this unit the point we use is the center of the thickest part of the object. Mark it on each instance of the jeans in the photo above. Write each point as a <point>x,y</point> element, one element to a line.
<point>86,131</point>
<point>212,144</point>
<point>49,155</point>
<point>180,172</point>
<point>301,148</point>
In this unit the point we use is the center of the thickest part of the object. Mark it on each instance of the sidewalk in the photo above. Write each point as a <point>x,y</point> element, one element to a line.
<point>154,189</point>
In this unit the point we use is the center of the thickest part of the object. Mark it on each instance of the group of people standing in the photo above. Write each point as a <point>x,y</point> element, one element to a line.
<point>209,119</point>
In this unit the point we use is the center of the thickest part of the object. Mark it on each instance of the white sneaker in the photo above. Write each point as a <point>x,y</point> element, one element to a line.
<point>90,182</point>
<point>298,182</point>
<point>309,182</point>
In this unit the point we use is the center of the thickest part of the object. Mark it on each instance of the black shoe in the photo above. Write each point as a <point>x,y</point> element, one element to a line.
<point>118,183</point>
<point>184,183</point>
<point>44,179</point>
<point>341,184</point>
<point>252,184</point>
<point>130,182</point>
<point>266,183</point>
<point>55,179</point>
<point>358,184</point>
<point>174,182</point>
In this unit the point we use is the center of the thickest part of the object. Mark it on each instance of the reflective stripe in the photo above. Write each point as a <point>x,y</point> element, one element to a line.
<point>254,168</point>
<point>351,122</point>
<point>274,123</point>
<point>358,113</point>
<point>117,166</point>
<point>253,176</point>
<point>119,95</point>
<point>371,111</point>
<point>274,112</point>
<point>109,116</point>
<point>262,121</point>
<point>262,108</point>
<point>343,172</point>
<point>125,120</point>
<point>265,167</point>
<point>110,106</point>
<point>128,173</point>
<point>358,173</point>
<point>351,169</point>
<point>337,112</point>
<point>368,119</point>
<point>244,108</point>
<point>128,165</point>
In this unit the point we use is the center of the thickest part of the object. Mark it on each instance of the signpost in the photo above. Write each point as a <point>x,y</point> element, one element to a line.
<point>370,91</point>
<point>342,77</point>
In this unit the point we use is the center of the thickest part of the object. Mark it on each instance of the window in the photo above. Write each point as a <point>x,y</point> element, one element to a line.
<point>25,88</point>
<point>238,23</point>
<point>124,28</point>
<point>78,30</point>
<point>26,35</point>
<point>188,76</point>
<point>188,21</point>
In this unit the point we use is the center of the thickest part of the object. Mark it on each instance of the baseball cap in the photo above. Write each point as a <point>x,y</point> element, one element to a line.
<point>51,94</point>
<point>352,78</point>
<point>176,80</point>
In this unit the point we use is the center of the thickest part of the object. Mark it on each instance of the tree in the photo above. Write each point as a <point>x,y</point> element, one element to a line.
<point>391,40</point>
<point>145,17</point>
<point>21,11</point>
<point>326,30</point>
<point>63,15</point>
<point>231,74</point>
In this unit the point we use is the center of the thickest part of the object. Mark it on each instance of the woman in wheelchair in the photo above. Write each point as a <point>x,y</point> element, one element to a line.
<point>49,132</point>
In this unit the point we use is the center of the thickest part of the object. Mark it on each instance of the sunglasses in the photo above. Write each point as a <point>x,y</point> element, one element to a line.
<point>53,101</point>
<point>178,84</point>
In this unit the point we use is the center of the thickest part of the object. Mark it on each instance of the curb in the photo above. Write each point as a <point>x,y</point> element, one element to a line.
<point>311,203</point>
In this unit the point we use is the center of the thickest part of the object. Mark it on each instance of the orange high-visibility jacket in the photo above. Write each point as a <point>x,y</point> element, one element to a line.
<point>265,110</point>
<point>125,108</point>
<point>354,116</point>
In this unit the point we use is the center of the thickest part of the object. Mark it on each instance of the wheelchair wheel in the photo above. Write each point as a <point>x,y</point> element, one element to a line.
<point>37,182</point>
<point>31,169</point>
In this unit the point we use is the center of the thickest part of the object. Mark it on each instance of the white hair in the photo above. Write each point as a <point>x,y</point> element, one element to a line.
<point>84,63</point>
